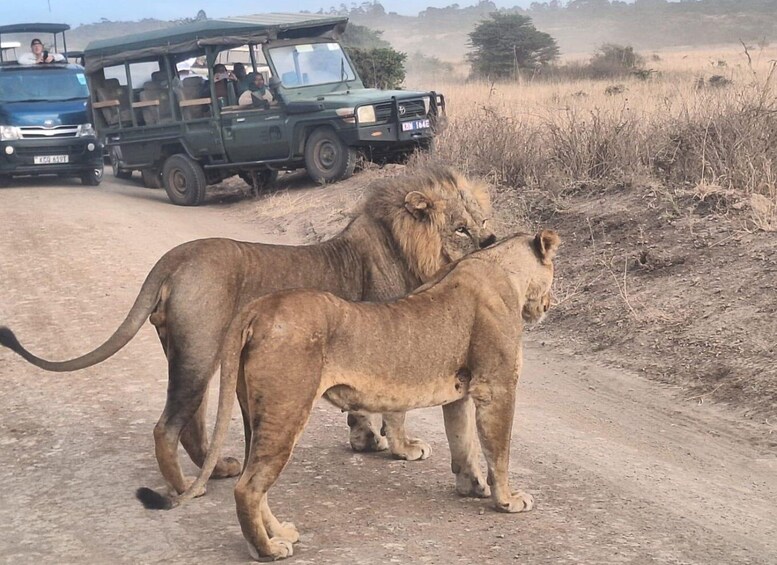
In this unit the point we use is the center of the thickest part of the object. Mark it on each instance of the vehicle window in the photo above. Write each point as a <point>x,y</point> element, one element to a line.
<point>141,73</point>
<point>118,72</point>
<point>311,64</point>
<point>43,85</point>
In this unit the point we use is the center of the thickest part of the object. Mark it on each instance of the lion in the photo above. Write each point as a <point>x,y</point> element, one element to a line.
<point>409,226</point>
<point>455,343</point>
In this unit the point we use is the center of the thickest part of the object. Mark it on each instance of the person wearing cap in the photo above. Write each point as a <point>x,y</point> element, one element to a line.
<point>38,55</point>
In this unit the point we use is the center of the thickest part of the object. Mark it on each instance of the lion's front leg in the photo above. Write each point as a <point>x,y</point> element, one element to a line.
<point>494,417</point>
<point>365,432</point>
<point>465,448</point>
<point>401,446</point>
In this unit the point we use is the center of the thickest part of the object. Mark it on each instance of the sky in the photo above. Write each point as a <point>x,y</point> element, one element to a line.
<point>76,12</point>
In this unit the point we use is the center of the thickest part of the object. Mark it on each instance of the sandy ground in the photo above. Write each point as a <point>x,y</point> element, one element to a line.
<point>621,471</point>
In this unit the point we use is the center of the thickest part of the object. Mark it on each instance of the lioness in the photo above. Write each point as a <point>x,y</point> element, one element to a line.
<point>409,227</point>
<point>451,343</point>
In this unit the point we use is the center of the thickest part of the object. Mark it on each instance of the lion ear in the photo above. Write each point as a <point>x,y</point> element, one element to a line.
<point>546,243</point>
<point>418,204</point>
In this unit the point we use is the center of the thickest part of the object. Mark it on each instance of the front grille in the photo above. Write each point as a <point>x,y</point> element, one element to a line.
<point>41,132</point>
<point>412,109</point>
<point>71,149</point>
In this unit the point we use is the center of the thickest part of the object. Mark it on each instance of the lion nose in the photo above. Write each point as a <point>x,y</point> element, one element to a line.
<point>488,240</point>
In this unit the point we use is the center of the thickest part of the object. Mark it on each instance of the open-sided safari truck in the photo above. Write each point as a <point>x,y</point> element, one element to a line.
<point>45,120</point>
<point>184,131</point>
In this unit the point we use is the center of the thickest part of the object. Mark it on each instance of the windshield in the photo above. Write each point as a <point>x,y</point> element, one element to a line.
<point>50,85</point>
<point>311,64</point>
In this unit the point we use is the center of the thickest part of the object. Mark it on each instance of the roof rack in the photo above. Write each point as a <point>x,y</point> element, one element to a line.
<point>222,32</point>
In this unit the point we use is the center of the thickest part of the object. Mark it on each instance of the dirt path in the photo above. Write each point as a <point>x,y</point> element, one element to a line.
<point>621,472</point>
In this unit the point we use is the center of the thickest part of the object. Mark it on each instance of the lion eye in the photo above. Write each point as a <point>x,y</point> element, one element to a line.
<point>462,231</point>
<point>485,222</point>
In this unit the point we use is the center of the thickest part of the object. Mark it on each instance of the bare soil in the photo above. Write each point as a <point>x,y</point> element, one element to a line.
<point>625,465</point>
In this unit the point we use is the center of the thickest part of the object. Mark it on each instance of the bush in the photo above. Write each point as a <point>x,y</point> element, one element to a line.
<point>612,60</point>
<point>381,67</point>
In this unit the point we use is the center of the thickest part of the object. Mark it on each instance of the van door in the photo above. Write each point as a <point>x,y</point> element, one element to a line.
<point>254,134</point>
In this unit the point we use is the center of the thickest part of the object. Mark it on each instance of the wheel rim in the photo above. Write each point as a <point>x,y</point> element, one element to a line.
<point>326,155</point>
<point>178,182</point>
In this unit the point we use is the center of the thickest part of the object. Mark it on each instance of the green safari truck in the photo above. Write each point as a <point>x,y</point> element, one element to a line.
<point>185,130</point>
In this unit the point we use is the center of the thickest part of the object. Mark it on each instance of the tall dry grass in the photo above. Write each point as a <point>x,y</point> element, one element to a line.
<point>677,127</point>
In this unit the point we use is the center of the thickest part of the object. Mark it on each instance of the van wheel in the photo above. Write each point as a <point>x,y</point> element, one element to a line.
<point>118,172</point>
<point>327,158</point>
<point>92,177</point>
<point>152,178</point>
<point>184,180</point>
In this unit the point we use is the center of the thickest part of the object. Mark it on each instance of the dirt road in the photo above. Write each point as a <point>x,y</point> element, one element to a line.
<point>622,471</point>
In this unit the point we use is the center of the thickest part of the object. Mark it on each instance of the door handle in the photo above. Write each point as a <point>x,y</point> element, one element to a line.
<point>240,120</point>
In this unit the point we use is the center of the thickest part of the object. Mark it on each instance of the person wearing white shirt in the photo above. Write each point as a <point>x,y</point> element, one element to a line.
<point>38,55</point>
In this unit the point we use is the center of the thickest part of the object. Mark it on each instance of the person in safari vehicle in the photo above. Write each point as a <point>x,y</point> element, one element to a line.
<point>38,54</point>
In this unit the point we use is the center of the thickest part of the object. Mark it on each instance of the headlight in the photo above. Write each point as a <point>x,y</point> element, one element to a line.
<point>427,105</point>
<point>366,115</point>
<point>9,133</point>
<point>85,130</point>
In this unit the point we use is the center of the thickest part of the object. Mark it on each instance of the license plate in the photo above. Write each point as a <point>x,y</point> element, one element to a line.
<point>49,159</point>
<point>415,124</point>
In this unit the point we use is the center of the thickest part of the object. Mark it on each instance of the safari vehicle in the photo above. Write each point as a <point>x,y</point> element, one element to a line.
<point>185,132</point>
<point>45,120</point>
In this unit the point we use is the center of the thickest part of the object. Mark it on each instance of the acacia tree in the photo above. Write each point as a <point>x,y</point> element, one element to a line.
<point>507,43</point>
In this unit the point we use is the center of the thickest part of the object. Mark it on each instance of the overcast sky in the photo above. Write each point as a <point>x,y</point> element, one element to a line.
<point>76,12</point>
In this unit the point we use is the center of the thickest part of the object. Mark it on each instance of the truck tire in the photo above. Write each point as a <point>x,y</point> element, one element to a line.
<point>327,158</point>
<point>118,172</point>
<point>92,177</point>
<point>152,178</point>
<point>184,180</point>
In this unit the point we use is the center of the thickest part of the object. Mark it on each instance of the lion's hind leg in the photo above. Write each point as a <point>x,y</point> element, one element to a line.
<point>465,448</point>
<point>278,424</point>
<point>494,422</point>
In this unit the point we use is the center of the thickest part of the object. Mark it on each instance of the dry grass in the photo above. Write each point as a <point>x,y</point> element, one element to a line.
<point>675,127</point>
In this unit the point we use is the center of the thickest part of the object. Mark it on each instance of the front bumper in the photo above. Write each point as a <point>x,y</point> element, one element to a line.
<point>400,127</point>
<point>21,160</point>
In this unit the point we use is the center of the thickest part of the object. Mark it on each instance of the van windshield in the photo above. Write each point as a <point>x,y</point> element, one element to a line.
<point>311,64</point>
<point>42,85</point>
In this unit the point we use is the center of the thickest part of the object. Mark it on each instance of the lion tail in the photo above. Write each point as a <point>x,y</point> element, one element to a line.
<point>237,336</point>
<point>145,303</point>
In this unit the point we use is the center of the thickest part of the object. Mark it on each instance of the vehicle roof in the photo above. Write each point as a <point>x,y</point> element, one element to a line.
<point>224,32</point>
<point>34,28</point>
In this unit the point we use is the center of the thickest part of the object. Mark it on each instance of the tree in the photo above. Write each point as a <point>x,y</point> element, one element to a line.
<point>508,43</point>
<point>381,67</point>
<point>363,37</point>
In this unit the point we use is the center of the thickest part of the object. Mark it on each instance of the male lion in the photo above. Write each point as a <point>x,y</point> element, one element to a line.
<point>409,227</point>
<point>452,343</point>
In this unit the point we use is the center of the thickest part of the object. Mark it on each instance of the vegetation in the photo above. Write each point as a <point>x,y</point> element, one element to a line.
<point>505,44</point>
<point>380,67</point>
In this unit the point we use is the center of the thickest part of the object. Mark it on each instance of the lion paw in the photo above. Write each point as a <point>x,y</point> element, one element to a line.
<point>472,485</point>
<point>287,531</point>
<point>277,549</point>
<point>367,441</point>
<point>189,481</point>
<point>413,450</point>
<point>227,467</point>
<point>518,502</point>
